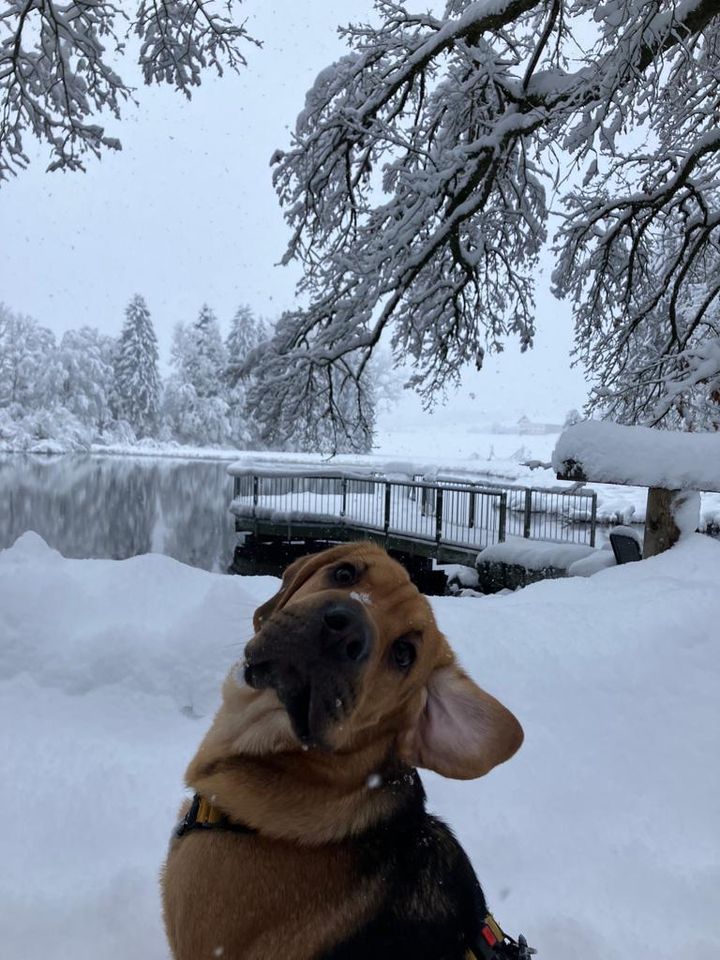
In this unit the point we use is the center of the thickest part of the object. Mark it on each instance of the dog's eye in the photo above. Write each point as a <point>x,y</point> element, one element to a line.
<point>345,574</point>
<point>403,654</point>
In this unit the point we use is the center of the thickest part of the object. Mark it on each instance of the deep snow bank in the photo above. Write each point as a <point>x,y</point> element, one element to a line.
<point>599,840</point>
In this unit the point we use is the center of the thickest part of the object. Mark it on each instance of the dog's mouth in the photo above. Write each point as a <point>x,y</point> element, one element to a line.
<point>315,661</point>
<point>297,705</point>
<point>314,706</point>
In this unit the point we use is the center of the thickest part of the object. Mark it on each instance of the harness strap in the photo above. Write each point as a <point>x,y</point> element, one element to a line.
<point>202,815</point>
<point>494,944</point>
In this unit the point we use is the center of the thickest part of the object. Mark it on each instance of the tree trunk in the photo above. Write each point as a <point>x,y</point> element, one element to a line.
<point>661,531</point>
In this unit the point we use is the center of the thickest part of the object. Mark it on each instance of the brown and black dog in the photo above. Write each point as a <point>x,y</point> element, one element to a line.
<point>322,847</point>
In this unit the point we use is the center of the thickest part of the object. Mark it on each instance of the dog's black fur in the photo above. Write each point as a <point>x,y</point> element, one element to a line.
<point>433,906</point>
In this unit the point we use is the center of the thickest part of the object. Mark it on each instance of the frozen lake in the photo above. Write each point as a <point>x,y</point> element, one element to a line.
<point>117,507</point>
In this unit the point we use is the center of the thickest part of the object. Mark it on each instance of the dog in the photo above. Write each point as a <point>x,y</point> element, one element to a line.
<point>308,837</point>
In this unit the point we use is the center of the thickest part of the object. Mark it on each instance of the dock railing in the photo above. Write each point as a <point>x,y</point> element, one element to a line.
<point>455,514</point>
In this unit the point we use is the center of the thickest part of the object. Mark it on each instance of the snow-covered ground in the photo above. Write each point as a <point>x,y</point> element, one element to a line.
<point>599,840</point>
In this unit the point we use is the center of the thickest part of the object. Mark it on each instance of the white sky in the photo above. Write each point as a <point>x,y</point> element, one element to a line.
<point>186,213</point>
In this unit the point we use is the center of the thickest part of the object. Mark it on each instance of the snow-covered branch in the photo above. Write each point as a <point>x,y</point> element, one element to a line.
<point>58,61</point>
<point>416,182</point>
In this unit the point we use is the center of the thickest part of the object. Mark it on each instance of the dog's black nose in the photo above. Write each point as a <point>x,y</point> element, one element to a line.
<point>345,631</point>
<point>337,617</point>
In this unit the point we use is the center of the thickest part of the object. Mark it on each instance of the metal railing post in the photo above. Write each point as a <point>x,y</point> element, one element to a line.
<point>256,490</point>
<point>438,513</point>
<point>503,518</point>
<point>527,520</point>
<point>343,488</point>
<point>388,495</point>
<point>593,518</point>
<point>471,510</point>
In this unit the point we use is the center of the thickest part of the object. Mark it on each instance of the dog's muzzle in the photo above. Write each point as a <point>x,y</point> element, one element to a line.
<point>312,655</point>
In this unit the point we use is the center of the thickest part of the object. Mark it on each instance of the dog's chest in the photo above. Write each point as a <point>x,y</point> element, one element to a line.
<point>248,898</point>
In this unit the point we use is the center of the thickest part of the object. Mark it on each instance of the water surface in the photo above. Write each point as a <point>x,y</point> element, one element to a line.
<point>117,507</point>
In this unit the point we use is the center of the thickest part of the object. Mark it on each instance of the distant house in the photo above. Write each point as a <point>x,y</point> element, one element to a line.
<point>526,426</point>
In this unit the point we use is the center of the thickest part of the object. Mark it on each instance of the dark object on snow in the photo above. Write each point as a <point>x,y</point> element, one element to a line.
<point>625,548</point>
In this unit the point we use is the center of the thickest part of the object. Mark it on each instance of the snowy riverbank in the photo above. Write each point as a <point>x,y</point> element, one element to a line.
<point>600,832</point>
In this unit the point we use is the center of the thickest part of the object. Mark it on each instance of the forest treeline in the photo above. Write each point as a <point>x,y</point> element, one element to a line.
<point>87,387</point>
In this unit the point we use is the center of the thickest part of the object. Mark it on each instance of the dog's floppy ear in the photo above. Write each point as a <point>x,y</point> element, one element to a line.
<point>295,575</point>
<point>461,732</point>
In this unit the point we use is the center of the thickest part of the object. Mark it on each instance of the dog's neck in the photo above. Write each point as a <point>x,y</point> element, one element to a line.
<point>308,797</point>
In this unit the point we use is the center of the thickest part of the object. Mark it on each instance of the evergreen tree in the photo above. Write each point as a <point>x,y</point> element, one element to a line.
<point>195,406</point>
<point>85,357</point>
<point>247,332</point>
<point>204,355</point>
<point>136,385</point>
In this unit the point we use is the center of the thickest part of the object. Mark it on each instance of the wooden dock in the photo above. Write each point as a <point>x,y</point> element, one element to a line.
<point>284,512</point>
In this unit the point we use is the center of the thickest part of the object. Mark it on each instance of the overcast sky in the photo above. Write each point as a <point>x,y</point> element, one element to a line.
<point>186,214</point>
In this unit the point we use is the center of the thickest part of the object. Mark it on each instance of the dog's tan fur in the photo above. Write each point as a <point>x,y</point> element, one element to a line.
<point>291,890</point>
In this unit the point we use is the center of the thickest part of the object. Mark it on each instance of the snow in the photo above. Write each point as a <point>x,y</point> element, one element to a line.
<point>535,554</point>
<point>686,512</point>
<point>593,563</point>
<point>611,453</point>
<point>588,841</point>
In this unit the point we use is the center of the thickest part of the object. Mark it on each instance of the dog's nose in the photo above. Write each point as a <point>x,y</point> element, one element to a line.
<point>345,631</point>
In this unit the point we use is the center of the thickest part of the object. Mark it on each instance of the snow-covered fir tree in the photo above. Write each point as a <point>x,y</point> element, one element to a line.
<point>247,333</point>
<point>86,358</point>
<point>136,382</point>
<point>204,357</point>
<point>195,407</point>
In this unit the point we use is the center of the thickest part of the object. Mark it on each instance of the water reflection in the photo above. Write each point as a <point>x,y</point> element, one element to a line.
<point>117,507</point>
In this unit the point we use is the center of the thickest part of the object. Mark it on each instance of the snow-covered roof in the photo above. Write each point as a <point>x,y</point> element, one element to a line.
<point>605,452</point>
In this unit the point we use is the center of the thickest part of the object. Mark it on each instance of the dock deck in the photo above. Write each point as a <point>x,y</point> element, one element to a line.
<point>449,522</point>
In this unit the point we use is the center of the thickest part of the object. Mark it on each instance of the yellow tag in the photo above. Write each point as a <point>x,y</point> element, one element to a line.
<point>494,926</point>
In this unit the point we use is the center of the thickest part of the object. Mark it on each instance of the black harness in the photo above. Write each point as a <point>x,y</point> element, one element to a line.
<point>203,816</point>
<point>492,944</point>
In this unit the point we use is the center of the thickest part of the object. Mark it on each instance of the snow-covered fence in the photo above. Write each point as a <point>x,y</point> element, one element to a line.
<point>458,515</point>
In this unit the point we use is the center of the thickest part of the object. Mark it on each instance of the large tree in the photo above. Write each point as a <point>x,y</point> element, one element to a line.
<point>195,405</point>
<point>29,372</point>
<point>59,61</point>
<point>86,359</point>
<point>416,187</point>
<point>136,384</point>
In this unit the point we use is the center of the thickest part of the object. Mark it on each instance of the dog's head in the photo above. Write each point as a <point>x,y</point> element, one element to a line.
<point>349,650</point>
